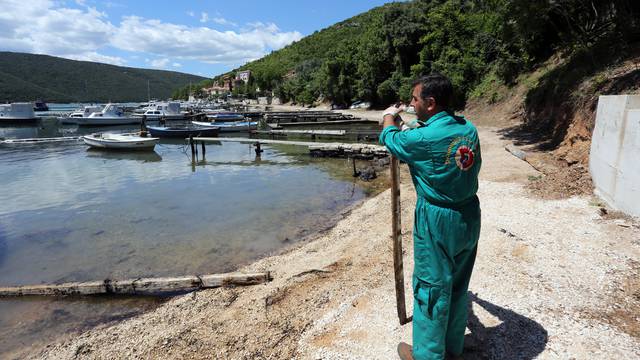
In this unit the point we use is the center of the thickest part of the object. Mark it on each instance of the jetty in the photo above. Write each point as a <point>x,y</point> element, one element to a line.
<point>320,149</point>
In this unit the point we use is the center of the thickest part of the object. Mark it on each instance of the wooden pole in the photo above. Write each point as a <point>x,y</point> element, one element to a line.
<point>139,286</point>
<point>396,236</point>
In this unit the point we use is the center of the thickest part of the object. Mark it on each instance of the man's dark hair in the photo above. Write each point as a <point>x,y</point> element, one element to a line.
<point>438,87</point>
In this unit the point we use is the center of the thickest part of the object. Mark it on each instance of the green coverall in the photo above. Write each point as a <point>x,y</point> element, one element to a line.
<point>444,159</point>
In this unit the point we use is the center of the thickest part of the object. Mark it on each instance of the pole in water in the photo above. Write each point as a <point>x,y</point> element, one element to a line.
<point>143,126</point>
<point>193,150</point>
<point>258,149</point>
<point>203,150</point>
<point>355,171</point>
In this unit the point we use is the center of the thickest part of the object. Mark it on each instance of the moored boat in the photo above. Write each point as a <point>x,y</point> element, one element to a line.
<point>234,126</point>
<point>112,114</point>
<point>164,110</point>
<point>17,113</point>
<point>80,113</point>
<point>182,132</point>
<point>120,141</point>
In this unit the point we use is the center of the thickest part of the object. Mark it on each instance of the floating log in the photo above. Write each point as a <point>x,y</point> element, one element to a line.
<point>139,286</point>
<point>39,140</point>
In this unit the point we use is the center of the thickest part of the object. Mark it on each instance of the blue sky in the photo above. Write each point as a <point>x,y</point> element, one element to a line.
<point>198,37</point>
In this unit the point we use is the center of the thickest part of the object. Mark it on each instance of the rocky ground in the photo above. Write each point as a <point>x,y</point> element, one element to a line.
<point>554,278</point>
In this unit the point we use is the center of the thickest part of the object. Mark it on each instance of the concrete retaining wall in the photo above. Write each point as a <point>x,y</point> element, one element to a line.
<point>614,160</point>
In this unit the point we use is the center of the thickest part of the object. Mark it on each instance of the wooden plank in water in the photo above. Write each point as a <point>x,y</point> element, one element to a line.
<point>302,123</point>
<point>40,140</point>
<point>140,285</point>
<point>305,132</point>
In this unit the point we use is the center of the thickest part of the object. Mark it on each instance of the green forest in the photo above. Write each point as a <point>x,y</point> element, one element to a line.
<point>27,77</point>
<point>375,56</point>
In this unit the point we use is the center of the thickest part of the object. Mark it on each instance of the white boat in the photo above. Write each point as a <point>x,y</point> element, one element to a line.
<point>112,114</point>
<point>166,110</point>
<point>80,113</point>
<point>235,126</point>
<point>17,112</point>
<point>120,141</point>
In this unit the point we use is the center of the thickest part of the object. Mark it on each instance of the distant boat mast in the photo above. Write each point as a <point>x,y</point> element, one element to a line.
<point>148,92</point>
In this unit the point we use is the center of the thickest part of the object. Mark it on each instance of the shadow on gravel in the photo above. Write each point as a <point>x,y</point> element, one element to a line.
<point>516,337</point>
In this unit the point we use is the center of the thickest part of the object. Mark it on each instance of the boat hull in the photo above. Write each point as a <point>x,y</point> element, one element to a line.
<point>105,121</point>
<point>115,142</point>
<point>159,117</point>
<point>16,120</point>
<point>229,126</point>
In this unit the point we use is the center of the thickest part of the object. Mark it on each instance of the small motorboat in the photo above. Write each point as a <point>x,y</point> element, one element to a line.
<point>163,110</point>
<point>120,141</point>
<point>112,114</point>
<point>233,126</point>
<point>80,113</point>
<point>17,113</point>
<point>182,132</point>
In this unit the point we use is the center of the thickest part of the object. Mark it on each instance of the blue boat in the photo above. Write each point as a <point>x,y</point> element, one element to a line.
<point>183,132</point>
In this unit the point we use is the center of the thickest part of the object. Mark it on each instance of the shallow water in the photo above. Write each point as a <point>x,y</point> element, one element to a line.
<point>72,214</point>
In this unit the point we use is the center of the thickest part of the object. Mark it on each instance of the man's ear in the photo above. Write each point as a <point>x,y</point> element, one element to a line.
<point>431,104</point>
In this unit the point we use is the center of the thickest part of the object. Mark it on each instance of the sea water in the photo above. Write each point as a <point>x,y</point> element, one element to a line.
<point>69,213</point>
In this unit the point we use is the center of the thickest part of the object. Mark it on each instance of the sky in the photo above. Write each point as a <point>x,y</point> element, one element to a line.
<point>204,38</point>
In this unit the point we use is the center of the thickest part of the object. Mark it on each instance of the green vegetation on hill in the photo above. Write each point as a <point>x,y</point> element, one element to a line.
<point>375,55</point>
<point>26,77</point>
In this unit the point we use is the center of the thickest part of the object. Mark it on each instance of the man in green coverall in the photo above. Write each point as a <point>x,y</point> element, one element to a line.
<point>443,154</point>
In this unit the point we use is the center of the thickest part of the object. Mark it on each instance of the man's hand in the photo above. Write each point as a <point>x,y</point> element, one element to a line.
<point>391,116</point>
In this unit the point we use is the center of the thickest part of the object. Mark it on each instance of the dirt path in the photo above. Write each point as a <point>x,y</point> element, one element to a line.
<point>553,279</point>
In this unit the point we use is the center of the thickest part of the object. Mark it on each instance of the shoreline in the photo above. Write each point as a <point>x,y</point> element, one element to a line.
<point>536,287</point>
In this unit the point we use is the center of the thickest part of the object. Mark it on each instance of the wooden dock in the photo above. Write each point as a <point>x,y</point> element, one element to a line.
<point>321,149</point>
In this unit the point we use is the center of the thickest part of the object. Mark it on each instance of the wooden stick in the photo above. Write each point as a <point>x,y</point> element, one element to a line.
<point>139,286</point>
<point>396,236</point>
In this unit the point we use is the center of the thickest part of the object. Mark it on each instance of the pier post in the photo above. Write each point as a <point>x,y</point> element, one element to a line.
<point>193,150</point>
<point>258,149</point>
<point>203,150</point>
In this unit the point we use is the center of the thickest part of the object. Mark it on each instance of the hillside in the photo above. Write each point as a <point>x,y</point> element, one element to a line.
<point>548,60</point>
<point>26,77</point>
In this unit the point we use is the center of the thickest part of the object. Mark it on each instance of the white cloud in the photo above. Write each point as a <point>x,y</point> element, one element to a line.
<point>160,63</point>
<point>223,21</point>
<point>47,27</point>
<point>176,65</point>
<point>204,17</point>
<point>200,43</point>
<point>70,33</point>
<point>191,13</point>
<point>95,57</point>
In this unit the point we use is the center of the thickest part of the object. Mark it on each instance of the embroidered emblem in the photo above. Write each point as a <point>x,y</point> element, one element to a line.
<point>464,158</point>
